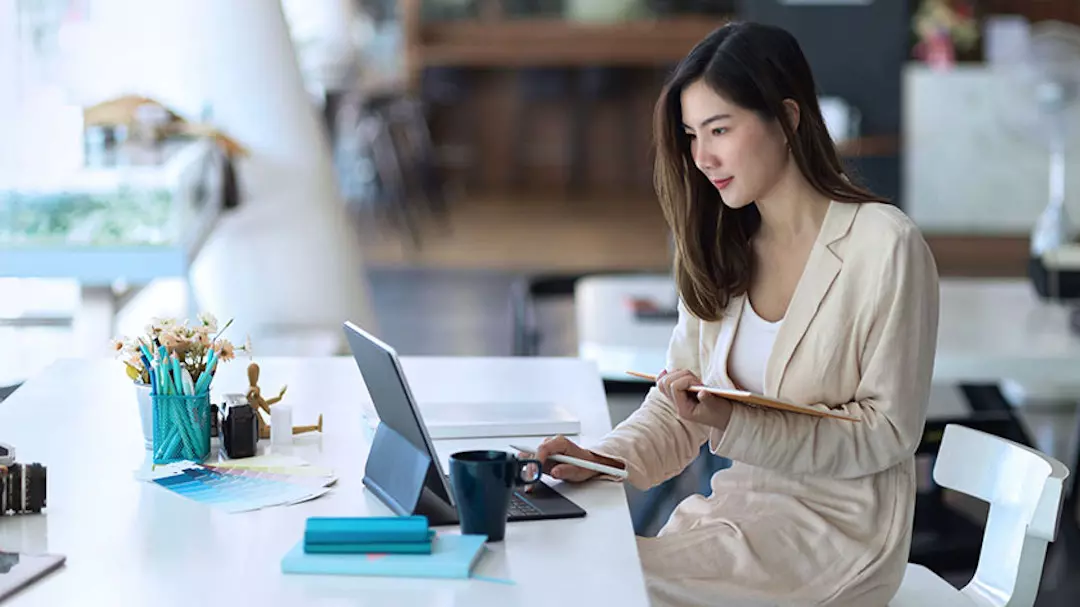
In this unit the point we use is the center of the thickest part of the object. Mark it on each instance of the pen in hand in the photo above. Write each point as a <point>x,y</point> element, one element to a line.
<point>581,463</point>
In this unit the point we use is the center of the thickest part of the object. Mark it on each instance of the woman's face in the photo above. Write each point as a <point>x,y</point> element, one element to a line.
<point>741,154</point>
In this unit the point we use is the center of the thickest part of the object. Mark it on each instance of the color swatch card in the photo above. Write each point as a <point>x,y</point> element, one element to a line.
<point>305,479</point>
<point>233,491</point>
<point>280,464</point>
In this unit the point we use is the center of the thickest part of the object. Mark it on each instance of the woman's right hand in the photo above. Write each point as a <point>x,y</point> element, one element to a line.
<point>560,445</point>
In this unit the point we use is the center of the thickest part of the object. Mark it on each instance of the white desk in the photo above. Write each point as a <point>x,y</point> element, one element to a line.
<point>989,331</point>
<point>133,543</point>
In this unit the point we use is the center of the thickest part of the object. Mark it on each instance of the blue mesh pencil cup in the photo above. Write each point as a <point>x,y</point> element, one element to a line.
<point>181,427</point>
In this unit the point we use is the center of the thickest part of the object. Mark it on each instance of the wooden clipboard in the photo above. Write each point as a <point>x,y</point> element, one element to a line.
<point>759,400</point>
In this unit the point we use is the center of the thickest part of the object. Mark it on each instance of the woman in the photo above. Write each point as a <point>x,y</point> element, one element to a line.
<point>796,283</point>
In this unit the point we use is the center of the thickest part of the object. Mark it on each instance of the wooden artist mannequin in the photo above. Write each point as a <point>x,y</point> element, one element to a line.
<point>262,405</point>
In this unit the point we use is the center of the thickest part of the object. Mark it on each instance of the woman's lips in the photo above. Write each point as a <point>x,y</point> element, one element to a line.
<point>722,183</point>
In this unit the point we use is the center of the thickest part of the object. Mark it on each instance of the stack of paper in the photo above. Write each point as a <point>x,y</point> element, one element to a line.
<point>240,488</point>
<point>264,467</point>
<point>280,464</point>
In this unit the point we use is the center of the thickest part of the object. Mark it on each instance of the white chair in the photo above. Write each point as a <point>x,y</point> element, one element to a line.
<point>1025,491</point>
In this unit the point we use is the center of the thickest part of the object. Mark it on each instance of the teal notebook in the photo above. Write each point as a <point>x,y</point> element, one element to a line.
<point>376,547</point>
<point>365,529</point>
<point>452,556</point>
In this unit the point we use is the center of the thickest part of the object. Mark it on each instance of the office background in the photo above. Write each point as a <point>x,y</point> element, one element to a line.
<point>443,161</point>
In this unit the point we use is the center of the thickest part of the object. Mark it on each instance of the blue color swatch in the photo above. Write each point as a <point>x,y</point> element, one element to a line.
<point>234,492</point>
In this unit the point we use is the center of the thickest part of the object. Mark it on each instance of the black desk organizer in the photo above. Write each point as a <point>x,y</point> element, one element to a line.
<point>1053,284</point>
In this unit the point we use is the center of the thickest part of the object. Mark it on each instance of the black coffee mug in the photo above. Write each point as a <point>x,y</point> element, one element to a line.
<point>483,482</point>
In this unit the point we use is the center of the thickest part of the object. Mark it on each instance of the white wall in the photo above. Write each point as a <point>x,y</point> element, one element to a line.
<point>189,54</point>
<point>288,262</point>
<point>967,169</point>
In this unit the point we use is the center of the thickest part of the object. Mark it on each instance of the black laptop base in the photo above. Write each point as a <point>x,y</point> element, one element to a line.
<point>405,478</point>
<point>542,503</point>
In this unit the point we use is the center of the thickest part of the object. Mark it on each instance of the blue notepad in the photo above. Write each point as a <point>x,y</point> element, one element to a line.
<point>452,556</point>
<point>365,529</point>
<point>373,547</point>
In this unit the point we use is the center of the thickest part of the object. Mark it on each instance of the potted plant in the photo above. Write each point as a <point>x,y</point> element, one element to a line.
<point>192,345</point>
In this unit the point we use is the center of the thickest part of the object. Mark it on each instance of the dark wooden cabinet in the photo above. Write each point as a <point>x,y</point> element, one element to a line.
<point>1034,10</point>
<point>525,100</point>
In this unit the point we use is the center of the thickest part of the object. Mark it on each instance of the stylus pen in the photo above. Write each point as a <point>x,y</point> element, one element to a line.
<point>581,463</point>
<point>654,378</point>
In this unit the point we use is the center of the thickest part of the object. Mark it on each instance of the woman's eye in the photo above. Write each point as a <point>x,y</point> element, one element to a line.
<point>719,130</point>
<point>690,136</point>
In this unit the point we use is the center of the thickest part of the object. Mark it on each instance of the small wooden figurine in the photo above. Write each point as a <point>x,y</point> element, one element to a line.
<point>258,402</point>
<point>262,406</point>
<point>305,429</point>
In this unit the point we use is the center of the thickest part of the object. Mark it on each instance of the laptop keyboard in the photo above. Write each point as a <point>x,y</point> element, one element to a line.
<point>520,507</point>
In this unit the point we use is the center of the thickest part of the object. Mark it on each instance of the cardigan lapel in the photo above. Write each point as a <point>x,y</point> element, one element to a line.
<point>728,328</point>
<point>820,272</point>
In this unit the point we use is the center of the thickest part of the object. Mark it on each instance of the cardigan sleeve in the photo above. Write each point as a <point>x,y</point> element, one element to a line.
<point>891,397</point>
<point>654,443</point>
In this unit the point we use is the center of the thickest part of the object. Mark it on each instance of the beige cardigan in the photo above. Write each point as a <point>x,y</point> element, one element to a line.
<point>814,510</point>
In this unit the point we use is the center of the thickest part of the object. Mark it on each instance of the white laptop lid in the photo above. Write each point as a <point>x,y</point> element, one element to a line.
<point>451,420</point>
<point>484,420</point>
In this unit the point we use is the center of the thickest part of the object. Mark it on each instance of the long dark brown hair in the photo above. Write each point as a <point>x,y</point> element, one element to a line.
<point>757,67</point>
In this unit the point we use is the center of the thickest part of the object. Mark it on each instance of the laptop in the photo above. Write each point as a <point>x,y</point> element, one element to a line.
<point>446,420</point>
<point>493,420</point>
<point>403,469</point>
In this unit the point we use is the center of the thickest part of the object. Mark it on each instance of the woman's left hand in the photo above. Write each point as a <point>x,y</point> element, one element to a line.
<point>711,410</point>
<point>692,405</point>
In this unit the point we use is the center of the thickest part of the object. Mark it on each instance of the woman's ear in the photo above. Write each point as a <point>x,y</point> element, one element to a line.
<point>791,107</point>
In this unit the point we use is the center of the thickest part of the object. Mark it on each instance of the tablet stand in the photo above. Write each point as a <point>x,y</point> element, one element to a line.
<point>405,478</point>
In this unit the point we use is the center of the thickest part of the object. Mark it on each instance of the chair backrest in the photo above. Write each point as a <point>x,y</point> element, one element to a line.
<point>1025,490</point>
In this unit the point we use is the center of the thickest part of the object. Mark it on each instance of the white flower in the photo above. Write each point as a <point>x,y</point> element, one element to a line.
<point>158,325</point>
<point>209,320</point>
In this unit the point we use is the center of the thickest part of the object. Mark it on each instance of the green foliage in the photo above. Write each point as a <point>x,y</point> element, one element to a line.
<point>122,218</point>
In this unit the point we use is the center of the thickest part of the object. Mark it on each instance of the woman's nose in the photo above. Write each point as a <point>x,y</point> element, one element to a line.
<point>704,159</point>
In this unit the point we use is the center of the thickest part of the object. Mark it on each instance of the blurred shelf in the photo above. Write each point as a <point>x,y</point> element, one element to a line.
<point>987,256</point>
<point>870,146</point>
<point>517,43</point>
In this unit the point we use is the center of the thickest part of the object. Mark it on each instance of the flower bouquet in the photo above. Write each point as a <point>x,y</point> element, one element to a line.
<point>173,365</point>
<point>943,27</point>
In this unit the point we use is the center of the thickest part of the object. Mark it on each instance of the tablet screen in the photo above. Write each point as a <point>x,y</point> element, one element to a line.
<point>18,570</point>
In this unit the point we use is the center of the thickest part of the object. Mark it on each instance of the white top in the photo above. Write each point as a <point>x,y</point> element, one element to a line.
<point>750,350</point>
<point>143,545</point>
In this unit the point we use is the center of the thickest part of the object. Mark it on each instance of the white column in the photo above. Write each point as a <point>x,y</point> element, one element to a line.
<point>288,260</point>
<point>327,35</point>
<point>10,85</point>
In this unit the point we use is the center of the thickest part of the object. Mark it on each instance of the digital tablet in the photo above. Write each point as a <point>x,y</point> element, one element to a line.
<point>759,400</point>
<point>18,570</point>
